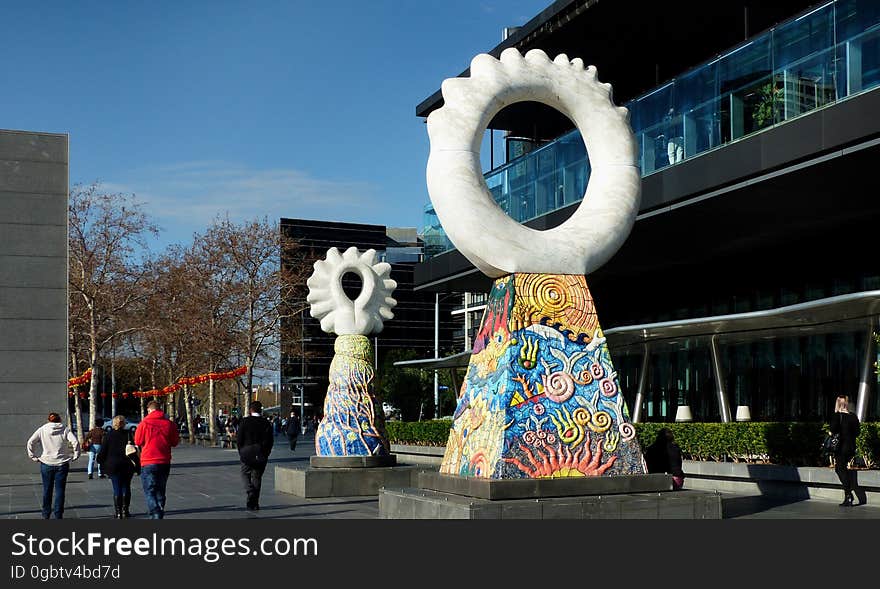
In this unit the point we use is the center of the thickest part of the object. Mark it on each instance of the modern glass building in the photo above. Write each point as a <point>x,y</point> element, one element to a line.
<point>750,278</point>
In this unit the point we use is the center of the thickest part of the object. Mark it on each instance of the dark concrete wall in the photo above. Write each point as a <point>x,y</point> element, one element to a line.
<point>33,288</point>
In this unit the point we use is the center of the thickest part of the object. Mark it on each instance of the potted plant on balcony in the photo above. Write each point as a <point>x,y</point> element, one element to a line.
<point>768,109</point>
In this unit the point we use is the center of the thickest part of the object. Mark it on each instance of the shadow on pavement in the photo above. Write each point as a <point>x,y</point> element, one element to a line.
<point>732,507</point>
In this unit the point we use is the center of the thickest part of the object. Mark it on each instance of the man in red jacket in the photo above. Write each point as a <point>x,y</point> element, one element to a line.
<point>155,436</point>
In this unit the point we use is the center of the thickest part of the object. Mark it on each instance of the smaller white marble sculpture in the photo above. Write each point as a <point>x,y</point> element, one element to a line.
<point>479,228</point>
<point>338,313</point>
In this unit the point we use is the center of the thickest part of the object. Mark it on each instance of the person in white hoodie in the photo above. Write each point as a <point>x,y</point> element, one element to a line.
<point>59,448</point>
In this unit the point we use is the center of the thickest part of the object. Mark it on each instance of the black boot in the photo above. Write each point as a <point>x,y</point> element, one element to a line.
<point>847,500</point>
<point>117,507</point>
<point>126,501</point>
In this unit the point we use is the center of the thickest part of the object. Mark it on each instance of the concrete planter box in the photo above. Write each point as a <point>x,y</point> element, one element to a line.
<point>805,482</point>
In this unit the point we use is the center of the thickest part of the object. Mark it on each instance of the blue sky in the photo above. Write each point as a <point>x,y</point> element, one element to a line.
<point>296,109</point>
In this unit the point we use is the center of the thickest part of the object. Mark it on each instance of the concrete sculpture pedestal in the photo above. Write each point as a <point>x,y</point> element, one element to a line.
<point>426,503</point>
<point>355,480</point>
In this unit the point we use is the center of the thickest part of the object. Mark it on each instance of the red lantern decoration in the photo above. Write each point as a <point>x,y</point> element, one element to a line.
<point>82,395</point>
<point>103,395</point>
<point>125,395</point>
<point>115,395</point>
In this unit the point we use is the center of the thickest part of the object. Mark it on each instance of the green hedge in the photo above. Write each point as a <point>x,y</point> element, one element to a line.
<point>795,443</point>
<point>419,433</point>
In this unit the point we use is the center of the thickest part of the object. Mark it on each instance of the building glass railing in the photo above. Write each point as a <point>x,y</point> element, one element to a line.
<point>806,63</point>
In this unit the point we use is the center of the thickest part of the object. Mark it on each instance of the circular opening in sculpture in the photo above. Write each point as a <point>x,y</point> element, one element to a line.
<point>526,186</point>
<point>352,284</point>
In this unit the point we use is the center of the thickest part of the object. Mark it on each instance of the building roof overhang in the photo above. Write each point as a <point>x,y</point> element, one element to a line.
<point>837,314</point>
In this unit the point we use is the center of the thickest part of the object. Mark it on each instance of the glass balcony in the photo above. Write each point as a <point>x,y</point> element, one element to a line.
<point>811,61</point>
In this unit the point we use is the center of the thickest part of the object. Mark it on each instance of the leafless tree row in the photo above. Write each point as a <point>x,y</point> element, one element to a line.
<point>152,318</point>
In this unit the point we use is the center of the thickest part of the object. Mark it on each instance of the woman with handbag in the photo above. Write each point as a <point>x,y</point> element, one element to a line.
<point>846,426</point>
<point>121,466</point>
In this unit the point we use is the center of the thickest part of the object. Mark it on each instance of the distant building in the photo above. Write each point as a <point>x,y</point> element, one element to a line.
<point>413,326</point>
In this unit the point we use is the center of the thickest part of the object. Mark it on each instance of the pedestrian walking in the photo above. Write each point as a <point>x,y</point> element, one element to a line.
<point>119,466</point>
<point>59,447</point>
<point>255,439</point>
<point>292,429</point>
<point>155,435</point>
<point>92,443</point>
<point>664,456</point>
<point>846,426</point>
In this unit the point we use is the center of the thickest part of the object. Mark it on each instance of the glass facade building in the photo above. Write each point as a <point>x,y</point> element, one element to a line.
<point>811,61</point>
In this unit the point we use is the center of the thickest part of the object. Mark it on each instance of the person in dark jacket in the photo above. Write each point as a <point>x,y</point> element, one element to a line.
<point>255,438</point>
<point>846,425</point>
<point>664,456</point>
<point>293,427</point>
<point>119,466</point>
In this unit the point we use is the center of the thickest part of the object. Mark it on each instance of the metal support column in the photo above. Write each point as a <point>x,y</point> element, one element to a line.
<point>467,321</point>
<point>436,353</point>
<point>643,382</point>
<point>867,372</point>
<point>454,376</point>
<point>717,371</point>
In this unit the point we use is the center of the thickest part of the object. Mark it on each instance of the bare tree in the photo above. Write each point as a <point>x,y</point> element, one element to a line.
<point>213,313</point>
<point>107,241</point>
<point>250,255</point>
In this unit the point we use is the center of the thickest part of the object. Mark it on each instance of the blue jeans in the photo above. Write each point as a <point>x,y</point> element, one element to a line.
<point>93,458</point>
<point>54,478</point>
<point>121,484</point>
<point>154,478</point>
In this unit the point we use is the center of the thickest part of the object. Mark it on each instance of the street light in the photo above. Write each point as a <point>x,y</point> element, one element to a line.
<point>302,369</point>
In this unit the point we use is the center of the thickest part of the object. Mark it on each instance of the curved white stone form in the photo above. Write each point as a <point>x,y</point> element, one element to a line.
<point>482,232</point>
<point>338,313</point>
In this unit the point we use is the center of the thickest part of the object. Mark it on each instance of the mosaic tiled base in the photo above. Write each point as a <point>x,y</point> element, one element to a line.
<point>541,397</point>
<point>353,423</point>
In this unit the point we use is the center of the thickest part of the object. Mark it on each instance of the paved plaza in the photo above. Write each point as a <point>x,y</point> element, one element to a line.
<point>205,484</point>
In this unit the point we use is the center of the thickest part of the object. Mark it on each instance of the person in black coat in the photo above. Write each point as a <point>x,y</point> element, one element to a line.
<point>293,427</point>
<point>255,438</point>
<point>118,465</point>
<point>846,425</point>
<point>664,456</point>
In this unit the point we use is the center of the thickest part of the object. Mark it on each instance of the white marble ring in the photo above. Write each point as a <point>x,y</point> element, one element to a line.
<point>479,228</point>
<point>338,313</point>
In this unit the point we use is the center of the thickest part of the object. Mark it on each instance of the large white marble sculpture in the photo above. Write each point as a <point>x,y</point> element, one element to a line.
<point>482,232</point>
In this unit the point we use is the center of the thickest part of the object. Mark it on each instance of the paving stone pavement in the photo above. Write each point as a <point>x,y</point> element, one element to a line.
<point>205,484</point>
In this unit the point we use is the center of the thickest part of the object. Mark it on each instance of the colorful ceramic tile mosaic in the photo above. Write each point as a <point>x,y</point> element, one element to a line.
<point>353,423</point>
<point>541,397</point>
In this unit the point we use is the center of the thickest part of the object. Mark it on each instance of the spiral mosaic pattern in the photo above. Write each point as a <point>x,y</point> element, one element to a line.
<point>581,416</point>
<point>557,300</point>
<point>538,402</point>
<point>608,388</point>
<point>600,422</point>
<point>559,386</point>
